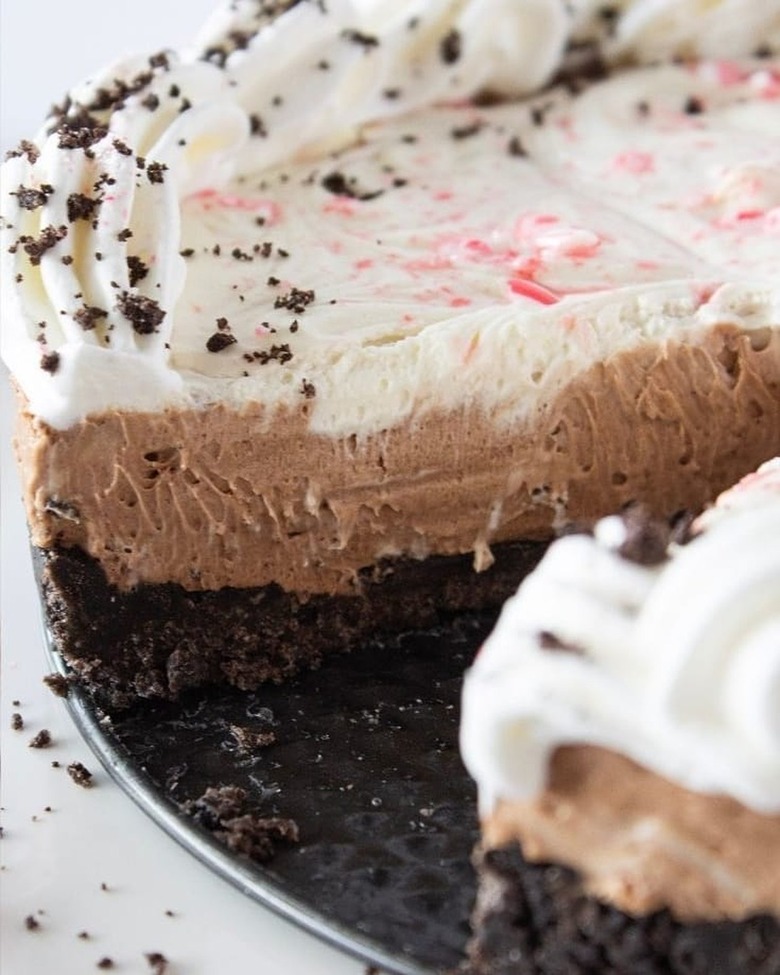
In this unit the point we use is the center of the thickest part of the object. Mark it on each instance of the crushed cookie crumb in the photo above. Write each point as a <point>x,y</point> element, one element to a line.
<point>693,105</point>
<point>451,47</point>
<point>50,362</point>
<point>122,147</point>
<point>25,148</point>
<point>137,269</point>
<point>30,198</point>
<point>124,235</point>
<point>515,147</point>
<point>41,740</point>
<point>82,207</point>
<point>144,314</point>
<point>155,172</point>
<point>80,774</point>
<point>249,740</point>
<point>308,389</point>
<point>257,126</point>
<point>36,247</point>
<point>157,962</point>
<point>295,300</point>
<point>31,923</point>
<point>466,131</point>
<point>88,316</point>
<point>220,341</point>
<point>105,963</point>
<point>366,41</point>
<point>57,684</point>
<point>17,721</point>
<point>341,185</point>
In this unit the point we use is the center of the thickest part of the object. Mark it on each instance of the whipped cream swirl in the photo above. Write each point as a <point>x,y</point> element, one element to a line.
<point>676,666</point>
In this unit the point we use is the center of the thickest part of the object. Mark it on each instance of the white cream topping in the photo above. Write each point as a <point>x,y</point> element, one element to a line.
<point>678,665</point>
<point>435,274</point>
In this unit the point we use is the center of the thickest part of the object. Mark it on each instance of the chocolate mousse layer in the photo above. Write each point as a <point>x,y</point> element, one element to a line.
<point>643,843</point>
<point>219,497</point>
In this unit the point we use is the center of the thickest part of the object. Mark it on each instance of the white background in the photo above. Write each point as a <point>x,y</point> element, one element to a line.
<point>55,862</point>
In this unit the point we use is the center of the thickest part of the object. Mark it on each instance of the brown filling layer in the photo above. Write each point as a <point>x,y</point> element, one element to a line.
<point>213,497</point>
<point>643,843</point>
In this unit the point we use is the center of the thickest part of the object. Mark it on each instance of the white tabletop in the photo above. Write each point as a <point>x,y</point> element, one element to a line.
<point>62,843</point>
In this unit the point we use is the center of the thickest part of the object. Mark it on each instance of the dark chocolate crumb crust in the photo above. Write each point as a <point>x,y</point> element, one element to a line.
<point>156,641</point>
<point>535,919</point>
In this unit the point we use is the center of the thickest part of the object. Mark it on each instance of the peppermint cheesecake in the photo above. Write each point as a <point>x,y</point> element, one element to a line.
<point>328,323</point>
<point>622,725</point>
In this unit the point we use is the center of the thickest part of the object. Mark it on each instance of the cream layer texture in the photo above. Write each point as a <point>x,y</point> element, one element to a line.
<point>213,232</point>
